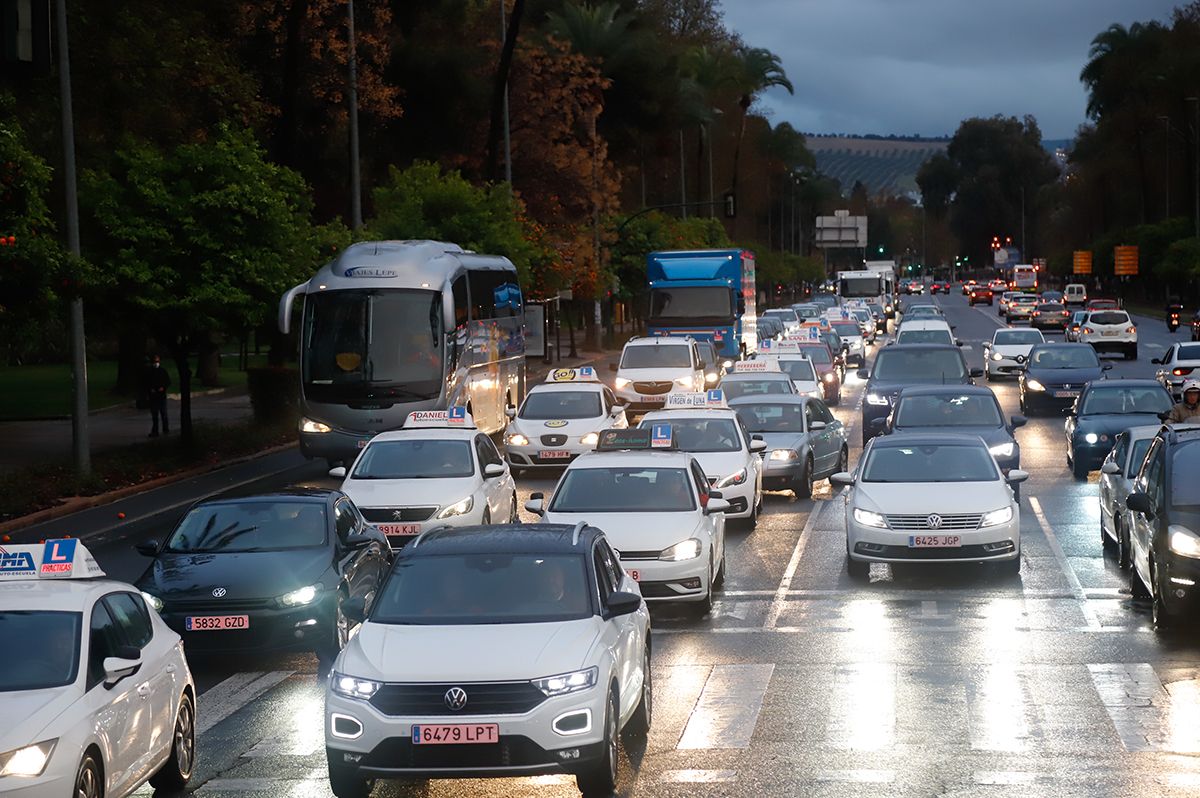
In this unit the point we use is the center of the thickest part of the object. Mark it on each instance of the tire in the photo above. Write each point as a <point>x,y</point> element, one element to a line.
<point>177,770</point>
<point>1164,619</point>
<point>639,725</point>
<point>335,641</point>
<point>1079,471</point>
<point>1131,354</point>
<point>803,486</point>
<point>346,783</point>
<point>514,517</point>
<point>1123,553</point>
<point>719,577</point>
<point>88,782</point>
<point>843,460</point>
<point>1137,588</point>
<point>857,569</point>
<point>600,779</point>
<point>487,517</point>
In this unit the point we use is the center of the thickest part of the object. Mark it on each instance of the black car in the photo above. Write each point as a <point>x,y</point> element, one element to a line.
<point>1050,316</point>
<point>968,409</point>
<point>1055,375</point>
<point>1164,530</point>
<point>909,364</point>
<point>1104,410</point>
<point>267,572</point>
<point>769,329</point>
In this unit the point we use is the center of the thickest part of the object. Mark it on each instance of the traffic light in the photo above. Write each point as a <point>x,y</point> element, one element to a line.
<point>881,250</point>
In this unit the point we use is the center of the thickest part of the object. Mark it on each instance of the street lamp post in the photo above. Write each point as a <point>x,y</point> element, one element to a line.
<point>1196,164</point>
<point>1166,120</point>
<point>355,186</point>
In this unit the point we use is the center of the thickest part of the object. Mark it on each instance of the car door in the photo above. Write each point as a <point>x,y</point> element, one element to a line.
<point>1108,482</point>
<point>490,488</point>
<point>113,711</point>
<point>621,629</point>
<point>714,522</point>
<point>502,487</point>
<point>1141,533</point>
<point>754,460</point>
<point>357,567</point>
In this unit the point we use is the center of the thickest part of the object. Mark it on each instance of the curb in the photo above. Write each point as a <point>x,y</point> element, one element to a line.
<point>74,504</point>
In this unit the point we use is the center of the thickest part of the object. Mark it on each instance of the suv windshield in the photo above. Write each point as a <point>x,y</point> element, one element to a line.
<point>485,588</point>
<point>798,370</point>
<point>948,410</point>
<point>918,365</point>
<point>1185,464</point>
<point>924,337</point>
<point>1007,337</point>
<point>1109,317</point>
<point>1119,399</point>
<point>770,417</point>
<point>250,526</point>
<point>657,356</point>
<point>561,404</point>
<point>624,490</point>
<point>415,459</point>
<point>808,312</point>
<point>49,644</point>
<point>693,304</point>
<point>702,434</point>
<point>1071,356</point>
<point>930,463</point>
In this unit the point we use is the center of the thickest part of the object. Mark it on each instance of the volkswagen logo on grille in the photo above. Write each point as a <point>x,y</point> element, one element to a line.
<point>455,698</point>
<point>398,515</point>
<point>934,521</point>
<point>218,592</point>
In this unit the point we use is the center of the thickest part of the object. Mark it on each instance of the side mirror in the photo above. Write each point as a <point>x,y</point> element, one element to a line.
<point>716,505</point>
<point>616,410</point>
<point>843,478</point>
<point>1139,502</point>
<point>612,366</point>
<point>493,470</point>
<point>758,445</point>
<point>118,668</point>
<point>357,540</point>
<point>622,603</point>
<point>976,373</point>
<point>816,426</point>
<point>1017,476</point>
<point>756,436</point>
<point>511,412</point>
<point>338,473</point>
<point>863,374</point>
<point>535,505</point>
<point>1156,361</point>
<point>148,548</point>
<point>1106,367</point>
<point>1110,468</point>
<point>355,609</point>
<point>879,423</point>
<point>958,342</point>
<point>1017,420</point>
<point>716,494</point>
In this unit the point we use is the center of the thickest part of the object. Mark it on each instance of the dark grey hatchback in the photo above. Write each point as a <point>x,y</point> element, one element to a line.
<point>901,365</point>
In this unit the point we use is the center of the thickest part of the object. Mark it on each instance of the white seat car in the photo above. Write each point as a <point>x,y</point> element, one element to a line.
<point>706,428</point>
<point>925,331</point>
<point>919,497</point>
<point>651,368</point>
<point>1178,365</point>
<point>520,651</point>
<point>658,511</point>
<point>1008,351</point>
<point>1110,331</point>
<point>96,697</point>
<point>438,470</point>
<point>1117,473</point>
<point>560,419</point>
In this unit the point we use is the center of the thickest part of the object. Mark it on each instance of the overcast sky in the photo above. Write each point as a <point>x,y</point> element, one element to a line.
<point>921,66</point>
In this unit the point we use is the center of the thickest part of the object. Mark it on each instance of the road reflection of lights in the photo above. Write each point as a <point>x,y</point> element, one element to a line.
<point>1003,635</point>
<point>1183,717</point>
<point>998,711</point>
<point>863,710</point>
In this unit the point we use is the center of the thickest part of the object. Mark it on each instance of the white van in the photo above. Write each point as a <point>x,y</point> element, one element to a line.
<point>1075,294</point>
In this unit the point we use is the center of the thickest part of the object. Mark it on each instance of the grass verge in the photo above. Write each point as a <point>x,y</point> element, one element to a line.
<point>39,487</point>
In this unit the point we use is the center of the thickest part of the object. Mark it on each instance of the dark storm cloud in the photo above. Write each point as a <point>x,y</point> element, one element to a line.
<point>921,66</point>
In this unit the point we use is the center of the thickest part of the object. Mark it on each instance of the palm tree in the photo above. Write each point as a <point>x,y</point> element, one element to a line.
<point>760,69</point>
<point>598,32</point>
<point>704,74</point>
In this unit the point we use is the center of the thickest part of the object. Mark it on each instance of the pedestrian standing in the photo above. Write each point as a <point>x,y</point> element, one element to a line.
<point>157,381</point>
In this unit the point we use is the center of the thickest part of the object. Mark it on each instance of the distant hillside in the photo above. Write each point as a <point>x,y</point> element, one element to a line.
<point>883,165</point>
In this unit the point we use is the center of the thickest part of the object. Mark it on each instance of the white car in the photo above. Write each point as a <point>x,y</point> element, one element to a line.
<point>658,511</point>
<point>788,316</point>
<point>560,419</point>
<point>919,497</point>
<point>1008,351</point>
<point>850,332</point>
<point>1110,331</point>
<point>437,470</point>
<point>925,331</point>
<point>651,368</point>
<point>801,371</point>
<point>1117,473</point>
<point>518,654</point>
<point>718,439</point>
<point>1178,365</point>
<point>96,697</point>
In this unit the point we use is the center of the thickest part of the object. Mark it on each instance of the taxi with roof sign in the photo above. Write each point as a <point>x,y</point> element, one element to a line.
<point>100,699</point>
<point>560,419</point>
<point>758,377</point>
<point>705,427</point>
<point>793,359</point>
<point>436,470</point>
<point>656,507</point>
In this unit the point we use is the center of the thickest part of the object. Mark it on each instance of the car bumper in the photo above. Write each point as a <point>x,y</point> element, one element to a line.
<point>531,456</point>
<point>333,445</point>
<point>993,544</point>
<point>1050,324</point>
<point>1109,344</point>
<point>740,497</point>
<point>1091,455</point>
<point>528,743</point>
<point>781,473</point>
<point>1006,366</point>
<point>1018,315</point>
<point>661,581</point>
<point>640,403</point>
<point>269,629</point>
<point>1047,400</point>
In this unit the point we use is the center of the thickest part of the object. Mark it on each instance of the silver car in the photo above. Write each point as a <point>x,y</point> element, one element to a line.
<point>1116,482</point>
<point>805,443</point>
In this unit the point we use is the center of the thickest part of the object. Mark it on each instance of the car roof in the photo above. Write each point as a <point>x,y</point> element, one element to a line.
<point>428,434</point>
<point>631,457</point>
<point>501,539</point>
<point>543,387</point>
<point>916,347</point>
<point>924,324</point>
<point>1133,382</point>
<point>1061,345</point>
<point>659,340</point>
<point>57,595</point>
<point>689,412</point>
<point>1143,432</point>
<point>769,398</point>
<point>304,495</point>
<point>950,390</point>
<point>899,439</point>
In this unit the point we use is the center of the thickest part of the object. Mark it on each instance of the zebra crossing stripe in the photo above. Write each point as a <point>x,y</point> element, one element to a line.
<point>219,702</point>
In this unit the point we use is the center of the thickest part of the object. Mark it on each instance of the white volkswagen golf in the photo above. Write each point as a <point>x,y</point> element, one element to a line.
<point>919,497</point>
<point>492,651</point>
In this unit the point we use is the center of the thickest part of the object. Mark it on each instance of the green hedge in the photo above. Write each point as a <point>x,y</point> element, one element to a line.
<point>274,393</point>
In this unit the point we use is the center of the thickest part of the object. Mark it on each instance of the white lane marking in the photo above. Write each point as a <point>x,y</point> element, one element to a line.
<point>997,704</point>
<point>1147,715</point>
<point>727,710</point>
<point>862,707</point>
<point>785,584</point>
<point>856,776</point>
<point>914,630</point>
<point>699,776</point>
<point>221,701</point>
<point>1085,606</point>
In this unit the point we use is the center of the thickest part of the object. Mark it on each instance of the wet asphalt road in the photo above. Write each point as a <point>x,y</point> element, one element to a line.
<point>926,681</point>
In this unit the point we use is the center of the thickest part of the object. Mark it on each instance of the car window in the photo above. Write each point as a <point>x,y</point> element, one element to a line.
<point>1138,456</point>
<point>701,480</point>
<point>1006,337</point>
<point>797,369</point>
<point>104,640</point>
<point>414,459</point>
<point>250,526</point>
<point>132,618</point>
<point>1121,399</point>
<point>1109,317</point>
<point>657,356</point>
<point>1071,356</point>
<point>344,519</point>
<point>488,453</point>
<point>1185,464</point>
<point>820,411</point>
<point>1120,448</point>
<point>772,417</point>
<point>49,649</point>
<point>548,405</point>
<point>623,490</point>
<point>1188,352</point>
<point>702,434</point>
<point>918,365</point>
<point>608,571</point>
<point>948,410</point>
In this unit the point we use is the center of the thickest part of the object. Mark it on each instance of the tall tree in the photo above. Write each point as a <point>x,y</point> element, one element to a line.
<point>760,69</point>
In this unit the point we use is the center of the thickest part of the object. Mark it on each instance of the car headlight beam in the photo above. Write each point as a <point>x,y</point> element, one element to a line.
<point>733,479</point>
<point>458,508</point>
<point>28,761</point>
<point>352,687</point>
<point>868,518</point>
<point>621,382</point>
<point>997,517</point>
<point>591,439</point>
<point>683,550</point>
<point>516,439</point>
<point>1034,385</point>
<point>565,683</point>
<point>1002,450</point>
<point>1183,541</point>
<point>784,455</point>
<point>300,596</point>
<point>1091,437</point>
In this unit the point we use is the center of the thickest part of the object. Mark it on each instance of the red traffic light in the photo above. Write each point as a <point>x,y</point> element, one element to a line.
<point>8,241</point>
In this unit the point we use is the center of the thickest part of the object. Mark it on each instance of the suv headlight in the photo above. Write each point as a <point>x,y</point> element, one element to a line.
<point>997,517</point>
<point>565,683</point>
<point>1183,541</point>
<point>621,382</point>
<point>1034,385</point>
<point>352,687</point>
<point>876,399</point>
<point>591,439</point>
<point>683,550</point>
<point>310,425</point>
<point>458,508</point>
<point>516,439</point>
<point>868,518</point>
<point>1001,450</point>
<point>153,601</point>
<point>733,479</point>
<point>28,761</point>
<point>301,596</point>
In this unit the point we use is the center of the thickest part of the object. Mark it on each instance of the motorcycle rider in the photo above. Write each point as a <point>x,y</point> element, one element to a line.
<point>1174,311</point>
<point>1188,410</point>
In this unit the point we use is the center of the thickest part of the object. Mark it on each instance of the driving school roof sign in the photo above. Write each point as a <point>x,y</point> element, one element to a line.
<point>455,417</point>
<point>581,374</point>
<point>55,559</point>
<point>696,401</point>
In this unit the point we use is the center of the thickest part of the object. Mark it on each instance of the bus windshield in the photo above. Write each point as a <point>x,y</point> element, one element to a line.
<point>373,344</point>
<point>693,303</point>
<point>868,285</point>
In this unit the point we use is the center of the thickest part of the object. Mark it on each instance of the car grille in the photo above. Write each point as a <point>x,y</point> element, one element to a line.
<point>638,555</point>
<point>653,388</point>
<point>390,515</point>
<point>512,751</point>
<point>554,440</point>
<point>958,521</point>
<point>493,698</point>
<point>219,606</point>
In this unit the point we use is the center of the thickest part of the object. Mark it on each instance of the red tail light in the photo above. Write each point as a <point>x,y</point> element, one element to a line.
<point>1088,331</point>
<point>1181,372</point>
<point>1131,330</point>
<point>1065,313</point>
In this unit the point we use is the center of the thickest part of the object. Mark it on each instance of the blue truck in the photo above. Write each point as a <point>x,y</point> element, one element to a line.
<point>706,294</point>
